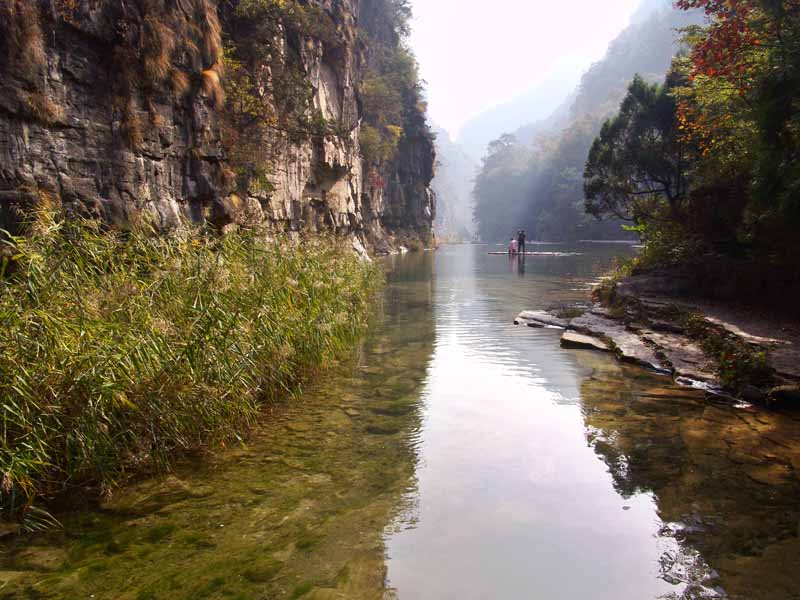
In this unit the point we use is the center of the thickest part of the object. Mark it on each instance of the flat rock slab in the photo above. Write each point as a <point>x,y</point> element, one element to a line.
<point>656,284</point>
<point>755,340</point>
<point>666,326</point>
<point>571,339</point>
<point>631,347</point>
<point>687,358</point>
<point>602,311</point>
<point>539,318</point>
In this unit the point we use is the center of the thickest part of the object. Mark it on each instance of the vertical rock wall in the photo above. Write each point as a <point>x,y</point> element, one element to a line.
<point>66,114</point>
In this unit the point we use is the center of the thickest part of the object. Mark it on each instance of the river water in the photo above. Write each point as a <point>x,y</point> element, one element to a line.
<point>458,457</point>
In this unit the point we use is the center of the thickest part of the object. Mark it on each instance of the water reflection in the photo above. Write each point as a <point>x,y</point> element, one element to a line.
<point>299,512</point>
<point>512,503</point>
<point>516,264</point>
<point>462,457</point>
<point>724,479</point>
<point>511,500</point>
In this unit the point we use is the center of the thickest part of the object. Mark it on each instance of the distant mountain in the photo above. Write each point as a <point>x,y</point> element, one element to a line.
<point>455,172</point>
<point>543,109</point>
<point>534,179</point>
<point>555,122</point>
<point>646,9</point>
<point>646,47</point>
<point>535,105</point>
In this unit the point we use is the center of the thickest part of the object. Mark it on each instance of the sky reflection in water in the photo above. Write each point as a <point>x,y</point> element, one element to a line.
<point>511,501</point>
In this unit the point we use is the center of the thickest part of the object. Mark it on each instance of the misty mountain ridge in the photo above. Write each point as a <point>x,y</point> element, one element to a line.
<point>538,104</point>
<point>455,173</point>
<point>534,178</point>
<point>548,107</point>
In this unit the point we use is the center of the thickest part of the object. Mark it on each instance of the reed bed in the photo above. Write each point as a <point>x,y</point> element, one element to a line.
<point>121,351</point>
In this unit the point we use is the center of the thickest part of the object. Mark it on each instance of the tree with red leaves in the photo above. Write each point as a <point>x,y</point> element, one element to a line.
<point>754,46</point>
<point>715,164</point>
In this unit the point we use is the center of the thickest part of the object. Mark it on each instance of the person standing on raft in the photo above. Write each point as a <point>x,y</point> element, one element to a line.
<point>521,241</point>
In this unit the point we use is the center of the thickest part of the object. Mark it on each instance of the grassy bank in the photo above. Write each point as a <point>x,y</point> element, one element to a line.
<point>122,351</point>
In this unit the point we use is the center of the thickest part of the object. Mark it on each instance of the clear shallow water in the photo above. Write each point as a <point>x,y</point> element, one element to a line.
<point>461,457</point>
<point>510,499</point>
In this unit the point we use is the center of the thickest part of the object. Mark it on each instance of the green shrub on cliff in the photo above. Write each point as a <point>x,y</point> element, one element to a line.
<point>120,351</point>
<point>391,91</point>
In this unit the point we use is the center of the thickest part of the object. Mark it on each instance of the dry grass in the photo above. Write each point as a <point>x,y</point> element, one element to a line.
<point>171,36</point>
<point>212,88</point>
<point>20,21</point>
<point>40,108</point>
<point>228,178</point>
<point>159,46</point>
<point>192,36</point>
<point>142,64</point>
<point>131,124</point>
<point>156,120</point>
<point>212,37</point>
<point>180,83</point>
<point>119,352</point>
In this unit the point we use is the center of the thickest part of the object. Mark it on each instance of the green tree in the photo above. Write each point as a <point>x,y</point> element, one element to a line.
<point>638,168</point>
<point>501,188</point>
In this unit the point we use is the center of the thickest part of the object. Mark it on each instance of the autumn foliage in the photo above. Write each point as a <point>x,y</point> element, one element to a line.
<point>735,122</point>
<point>726,48</point>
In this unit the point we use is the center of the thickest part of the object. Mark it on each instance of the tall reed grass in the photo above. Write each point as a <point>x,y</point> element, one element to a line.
<point>120,351</point>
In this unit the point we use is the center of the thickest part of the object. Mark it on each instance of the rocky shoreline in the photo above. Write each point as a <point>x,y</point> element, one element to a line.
<point>703,346</point>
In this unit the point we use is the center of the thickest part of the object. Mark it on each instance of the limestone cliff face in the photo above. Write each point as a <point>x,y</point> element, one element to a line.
<point>114,109</point>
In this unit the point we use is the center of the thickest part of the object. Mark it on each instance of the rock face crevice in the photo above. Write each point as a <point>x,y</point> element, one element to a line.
<point>68,117</point>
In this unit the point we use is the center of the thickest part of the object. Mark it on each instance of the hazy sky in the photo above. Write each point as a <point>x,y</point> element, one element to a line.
<point>477,53</point>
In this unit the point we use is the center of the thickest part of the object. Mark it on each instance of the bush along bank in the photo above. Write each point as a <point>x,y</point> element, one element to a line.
<point>121,351</point>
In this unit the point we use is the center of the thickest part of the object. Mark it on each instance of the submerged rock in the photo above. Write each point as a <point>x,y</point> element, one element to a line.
<point>751,393</point>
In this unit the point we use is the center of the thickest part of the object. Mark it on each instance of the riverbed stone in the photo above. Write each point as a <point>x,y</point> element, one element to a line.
<point>571,339</point>
<point>630,346</point>
<point>687,358</point>
<point>539,318</point>
<point>772,474</point>
<point>41,558</point>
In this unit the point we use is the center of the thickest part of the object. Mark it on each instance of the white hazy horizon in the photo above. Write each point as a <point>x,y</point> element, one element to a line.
<point>475,55</point>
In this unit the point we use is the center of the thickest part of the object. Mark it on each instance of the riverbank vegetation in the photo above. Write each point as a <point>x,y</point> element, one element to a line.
<point>705,165</point>
<point>123,350</point>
